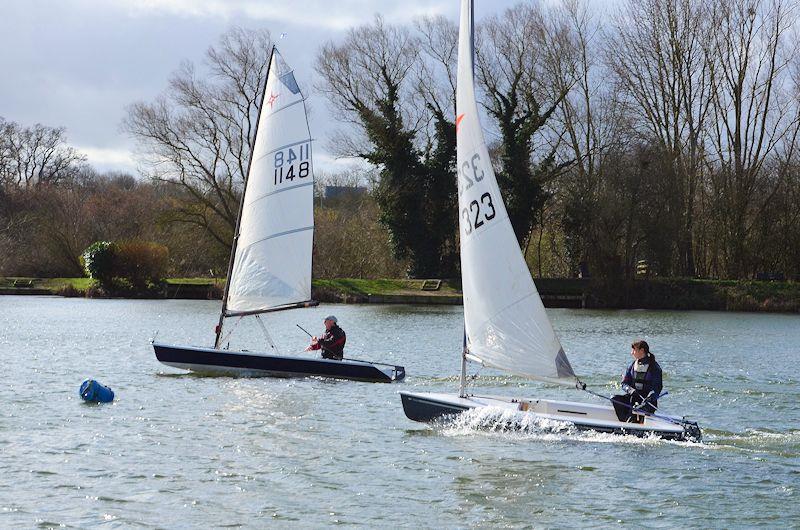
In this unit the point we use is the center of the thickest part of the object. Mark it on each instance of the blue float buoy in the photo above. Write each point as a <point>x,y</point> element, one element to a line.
<point>91,390</point>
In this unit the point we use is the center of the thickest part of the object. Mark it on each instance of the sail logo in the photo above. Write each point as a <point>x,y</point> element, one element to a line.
<point>458,121</point>
<point>272,98</point>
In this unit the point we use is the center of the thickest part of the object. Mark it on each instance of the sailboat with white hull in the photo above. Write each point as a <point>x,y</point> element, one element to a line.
<point>270,263</point>
<point>505,323</point>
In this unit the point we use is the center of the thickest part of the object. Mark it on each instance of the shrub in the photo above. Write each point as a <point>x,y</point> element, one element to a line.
<point>142,263</point>
<point>129,266</point>
<point>99,262</point>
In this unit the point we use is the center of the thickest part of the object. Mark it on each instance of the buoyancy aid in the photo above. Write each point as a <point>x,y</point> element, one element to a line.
<point>640,368</point>
<point>332,343</point>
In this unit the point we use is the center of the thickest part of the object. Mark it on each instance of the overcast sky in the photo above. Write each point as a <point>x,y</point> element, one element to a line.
<point>79,63</point>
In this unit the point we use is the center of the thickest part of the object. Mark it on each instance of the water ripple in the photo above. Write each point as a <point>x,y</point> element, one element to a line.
<point>183,451</point>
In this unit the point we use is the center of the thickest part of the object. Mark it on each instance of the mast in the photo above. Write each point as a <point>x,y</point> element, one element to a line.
<point>472,35</point>
<point>462,390</point>
<point>241,206</point>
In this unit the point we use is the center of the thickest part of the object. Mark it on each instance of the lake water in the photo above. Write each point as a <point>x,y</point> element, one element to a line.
<point>177,450</point>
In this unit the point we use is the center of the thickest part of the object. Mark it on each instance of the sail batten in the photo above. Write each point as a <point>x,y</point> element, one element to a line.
<point>280,148</point>
<point>271,266</point>
<point>279,234</point>
<point>271,193</point>
<point>279,109</point>
<point>505,320</point>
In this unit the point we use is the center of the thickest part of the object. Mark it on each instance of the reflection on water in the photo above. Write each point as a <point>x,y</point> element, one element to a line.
<point>177,450</point>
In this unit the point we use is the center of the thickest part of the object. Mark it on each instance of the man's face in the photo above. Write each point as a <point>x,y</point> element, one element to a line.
<point>328,324</point>
<point>637,353</point>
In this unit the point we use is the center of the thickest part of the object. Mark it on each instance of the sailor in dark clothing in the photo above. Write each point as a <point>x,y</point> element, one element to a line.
<point>642,383</point>
<point>332,342</point>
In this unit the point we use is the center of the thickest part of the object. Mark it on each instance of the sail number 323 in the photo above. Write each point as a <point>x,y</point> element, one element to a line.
<point>479,211</point>
<point>292,162</point>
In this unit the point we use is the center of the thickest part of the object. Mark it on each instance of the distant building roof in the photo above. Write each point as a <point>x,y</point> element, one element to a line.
<point>334,192</point>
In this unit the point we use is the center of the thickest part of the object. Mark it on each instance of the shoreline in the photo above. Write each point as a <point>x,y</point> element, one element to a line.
<point>659,293</point>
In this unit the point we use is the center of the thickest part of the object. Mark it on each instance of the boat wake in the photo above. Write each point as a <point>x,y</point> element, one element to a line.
<point>504,423</point>
<point>497,421</point>
<point>779,443</point>
<point>502,420</point>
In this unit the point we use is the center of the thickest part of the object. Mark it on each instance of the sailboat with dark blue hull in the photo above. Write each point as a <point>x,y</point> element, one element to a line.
<point>270,262</point>
<point>212,361</point>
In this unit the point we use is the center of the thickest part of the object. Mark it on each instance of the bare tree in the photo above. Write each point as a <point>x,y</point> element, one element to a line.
<point>366,78</point>
<point>657,52</point>
<point>513,59</point>
<point>598,222</point>
<point>436,70</point>
<point>752,116</point>
<point>35,156</point>
<point>199,133</point>
<point>369,78</point>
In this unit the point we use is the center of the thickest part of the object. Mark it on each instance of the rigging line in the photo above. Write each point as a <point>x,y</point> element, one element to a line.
<point>266,334</point>
<point>310,145</point>
<point>474,376</point>
<point>228,335</point>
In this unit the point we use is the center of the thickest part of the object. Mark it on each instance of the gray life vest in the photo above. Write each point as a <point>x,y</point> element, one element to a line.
<point>640,372</point>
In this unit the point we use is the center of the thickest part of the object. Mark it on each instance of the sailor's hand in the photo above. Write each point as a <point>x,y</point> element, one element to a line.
<point>308,349</point>
<point>314,340</point>
<point>628,389</point>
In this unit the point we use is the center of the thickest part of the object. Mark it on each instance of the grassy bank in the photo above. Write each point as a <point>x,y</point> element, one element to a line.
<point>352,290</point>
<point>79,287</point>
<point>659,293</point>
<point>347,290</point>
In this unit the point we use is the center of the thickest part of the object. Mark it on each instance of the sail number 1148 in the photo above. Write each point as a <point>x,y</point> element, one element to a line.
<point>292,162</point>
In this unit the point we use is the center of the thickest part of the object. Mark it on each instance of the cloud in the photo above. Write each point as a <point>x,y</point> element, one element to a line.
<point>316,13</point>
<point>104,158</point>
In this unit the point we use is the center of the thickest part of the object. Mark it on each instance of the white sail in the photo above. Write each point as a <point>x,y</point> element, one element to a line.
<point>272,262</point>
<point>505,320</point>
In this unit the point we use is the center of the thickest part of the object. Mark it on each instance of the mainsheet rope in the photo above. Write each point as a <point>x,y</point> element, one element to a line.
<point>580,385</point>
